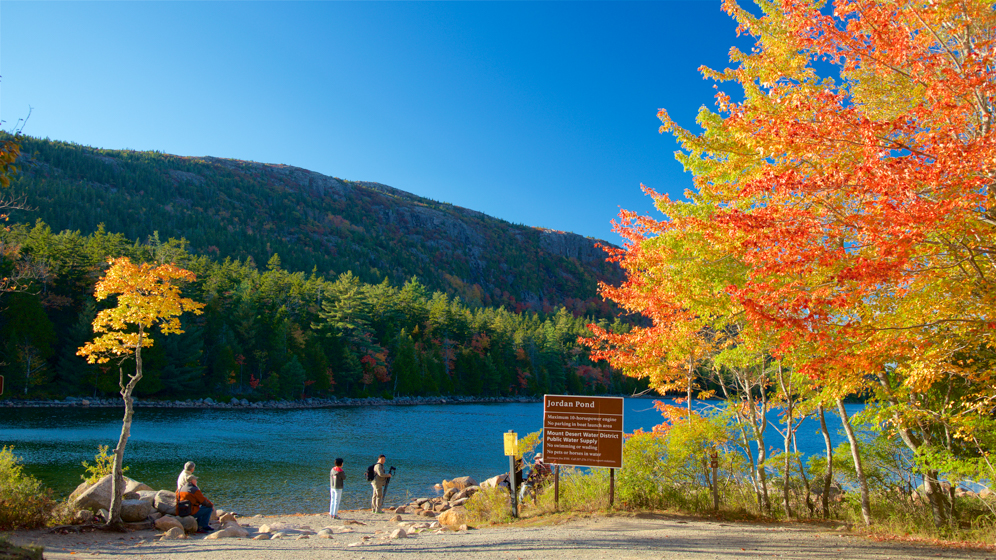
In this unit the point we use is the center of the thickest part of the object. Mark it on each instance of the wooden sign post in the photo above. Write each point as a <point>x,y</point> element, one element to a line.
<point>583,432</point>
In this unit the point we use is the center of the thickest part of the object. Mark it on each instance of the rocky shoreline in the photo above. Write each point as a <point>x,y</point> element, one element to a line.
<point>237,403</point>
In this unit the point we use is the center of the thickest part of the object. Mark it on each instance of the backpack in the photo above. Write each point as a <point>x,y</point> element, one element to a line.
<point>183,508</point>
<point>371,474</point>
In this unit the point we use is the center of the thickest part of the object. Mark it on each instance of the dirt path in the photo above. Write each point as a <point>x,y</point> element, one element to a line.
<point>615,538</point>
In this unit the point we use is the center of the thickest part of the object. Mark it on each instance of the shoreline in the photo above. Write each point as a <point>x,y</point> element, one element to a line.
<point>236,403</point>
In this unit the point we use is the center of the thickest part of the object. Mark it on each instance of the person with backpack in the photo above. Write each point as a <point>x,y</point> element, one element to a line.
<point>378,478</point>
<point>336,478</point>
<point>200,507</point>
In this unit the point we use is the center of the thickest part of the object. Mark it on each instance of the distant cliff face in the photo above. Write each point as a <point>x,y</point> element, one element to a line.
<point>245,209</point>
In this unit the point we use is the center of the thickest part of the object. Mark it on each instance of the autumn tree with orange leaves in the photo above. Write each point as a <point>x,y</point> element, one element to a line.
<point>843,218</point>
<point>147,296</point>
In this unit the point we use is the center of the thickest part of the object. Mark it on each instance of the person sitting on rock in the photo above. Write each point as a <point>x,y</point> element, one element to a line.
<point>200,507</point>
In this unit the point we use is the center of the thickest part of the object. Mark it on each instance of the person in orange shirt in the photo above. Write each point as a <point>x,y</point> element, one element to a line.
<point>200,507</point>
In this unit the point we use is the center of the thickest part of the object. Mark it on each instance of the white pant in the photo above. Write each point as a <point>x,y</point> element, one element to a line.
<point>336,500</point>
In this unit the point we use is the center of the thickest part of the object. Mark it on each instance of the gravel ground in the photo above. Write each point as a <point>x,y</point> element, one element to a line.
<point>612,537</point>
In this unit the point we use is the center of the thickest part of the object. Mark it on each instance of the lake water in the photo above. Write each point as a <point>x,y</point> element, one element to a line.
<point>277,461</point>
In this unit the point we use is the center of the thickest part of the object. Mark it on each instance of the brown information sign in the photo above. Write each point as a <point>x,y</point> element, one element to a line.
<point>583,431</point>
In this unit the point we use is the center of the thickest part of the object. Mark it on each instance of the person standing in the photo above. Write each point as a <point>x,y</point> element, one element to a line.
<point>379,482</point>
<point>336,478</point>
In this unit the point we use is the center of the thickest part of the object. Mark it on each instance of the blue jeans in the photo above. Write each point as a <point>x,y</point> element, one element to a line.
<point>336,500</point>
<point>203,516</point>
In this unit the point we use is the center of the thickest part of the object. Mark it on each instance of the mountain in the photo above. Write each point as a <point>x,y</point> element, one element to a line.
<point>249,210</point>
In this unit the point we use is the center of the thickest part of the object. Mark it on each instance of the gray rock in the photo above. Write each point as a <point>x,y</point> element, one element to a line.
<point>399,533</point>
<point>165,502</point>
<point>167,522</point>
<point>189,523</point>
<point>229,533</point>
<point>174,533</point>
<point>135,510</point>
<point>234,401</point>
<point>466,492</point>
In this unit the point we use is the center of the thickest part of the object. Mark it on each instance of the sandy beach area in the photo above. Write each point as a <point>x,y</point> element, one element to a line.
<point>362,535</point>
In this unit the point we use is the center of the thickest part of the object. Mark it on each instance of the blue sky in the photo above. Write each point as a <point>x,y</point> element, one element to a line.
<point>540,113</point>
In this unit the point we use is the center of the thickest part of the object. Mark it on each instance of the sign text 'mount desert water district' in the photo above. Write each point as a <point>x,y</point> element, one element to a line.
<point>583,431</point>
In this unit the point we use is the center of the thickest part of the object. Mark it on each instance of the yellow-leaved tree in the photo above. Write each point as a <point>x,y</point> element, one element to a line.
<point>147,296</point>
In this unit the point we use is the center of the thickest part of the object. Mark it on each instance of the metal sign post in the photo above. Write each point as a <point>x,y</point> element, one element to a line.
<point>511,443</point>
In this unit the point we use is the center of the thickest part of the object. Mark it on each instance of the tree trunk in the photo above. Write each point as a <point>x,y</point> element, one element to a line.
<point>828,479</point>
<point>787,465</point>
<point>914,443</point>
<point>117,485</point>
<point>856,455</point>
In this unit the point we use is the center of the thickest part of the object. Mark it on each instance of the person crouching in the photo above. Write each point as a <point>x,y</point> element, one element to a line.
<point>200,507</point>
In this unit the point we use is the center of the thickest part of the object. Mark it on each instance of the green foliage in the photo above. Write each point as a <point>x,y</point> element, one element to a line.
<point>582,490</point>
<point>490,505</point>
<point>242,210</point>
<point>10,551</point>
<point>277,334</point>
<point>526,445</point>
<point>24,502</point>
<point>103,465</point>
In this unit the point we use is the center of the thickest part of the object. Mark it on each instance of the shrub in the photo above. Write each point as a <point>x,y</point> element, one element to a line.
<point>24,502</point>
<point>103,465</point>
<point>582,490</point>
<point>490,505</point>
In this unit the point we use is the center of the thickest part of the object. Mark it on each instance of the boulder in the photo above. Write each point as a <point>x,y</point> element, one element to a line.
<point>453,517</point>
<point>401,510</point>
<point>83,517</point>
<point>76,493</point>
<point>425,513</point>
<point>396,519</point>
<point>460,483</point>
<point>466,492</point>
<point>134,485</point>
<point>135,510</point>
<point>230,532</point>
<point>494,481</point>
<point>325,533</point>
<point>439,508</point>
<point>155,515</point>
<point>167,522</point>
<point>226,518</point>
<point>147,496</point>
<point>459,502</point>
<point>97,496</point>
<point>399,533</point>
<point>165,502</point>
<point>189,523</point>
<point>174,533</point>
<point>214,515</point>
<point>130,496</point>
<point>450,492</point>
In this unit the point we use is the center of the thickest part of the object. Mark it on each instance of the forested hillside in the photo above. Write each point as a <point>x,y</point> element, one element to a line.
<point>242,210</point>
<point>366,290</point>
<point>278,334</point>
